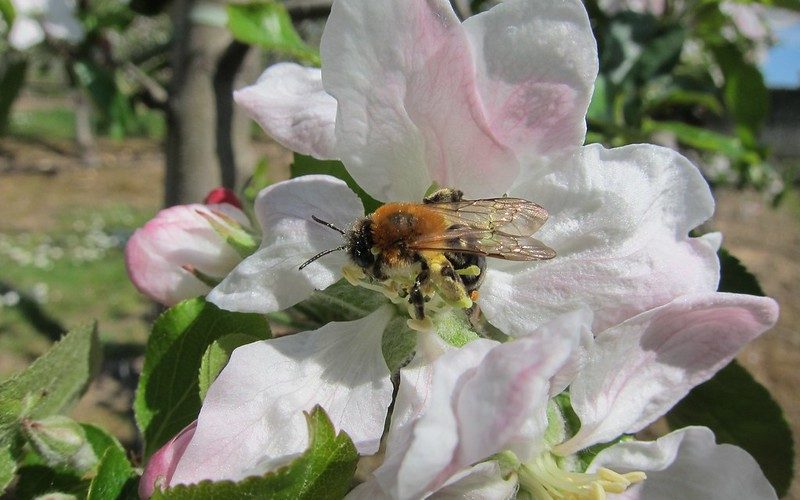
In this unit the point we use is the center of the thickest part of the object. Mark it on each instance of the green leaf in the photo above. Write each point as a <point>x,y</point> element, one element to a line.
<point>114,475</point>
<point>698,138</point>
<point>217,356</point>
<point>268,25</point>
<point>745,93</point>
<point>306,165</point>
<point>8,467</point>
<point>735,278</point>
<point>51,383</point>
<point>168,396</point>
<point>740,411</point>
<point>37,480</point>
<point>7,11</point>
<point>324,471</point>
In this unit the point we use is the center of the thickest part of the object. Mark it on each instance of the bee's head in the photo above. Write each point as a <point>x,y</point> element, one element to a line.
<point>359,243</point>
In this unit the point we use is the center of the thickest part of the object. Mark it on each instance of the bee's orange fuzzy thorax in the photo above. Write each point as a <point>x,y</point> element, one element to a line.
<point>396,225</point>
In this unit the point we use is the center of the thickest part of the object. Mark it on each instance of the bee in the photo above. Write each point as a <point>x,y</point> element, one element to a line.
<point>444,240</point>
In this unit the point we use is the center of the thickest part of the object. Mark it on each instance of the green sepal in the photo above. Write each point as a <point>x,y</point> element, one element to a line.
<point>8,468</point>
<point>454,328</point>
<point>324,471</point>
<point>61,442</point>
<point>238,237</point>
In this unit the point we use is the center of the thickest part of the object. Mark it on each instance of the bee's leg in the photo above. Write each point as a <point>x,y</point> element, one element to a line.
<point>415,296</point>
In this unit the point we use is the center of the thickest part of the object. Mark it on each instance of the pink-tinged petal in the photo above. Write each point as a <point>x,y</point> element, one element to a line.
<point>536,65</point>
<point>639,369</point>
<point>484,481</point>
<point>289,103</point>
<point>688,464</point>
<point>484,398</point>
<point>269,280</point>
<point>409,113</point>
<point>417,452</point>
<point>252,416</point>
<point>619,220</point>
<point>178,236</point>
<point>161,466</point>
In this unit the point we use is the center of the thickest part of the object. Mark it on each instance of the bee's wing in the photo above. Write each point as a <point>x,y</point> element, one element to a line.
<point>485,242</point>
<point>512,216</point>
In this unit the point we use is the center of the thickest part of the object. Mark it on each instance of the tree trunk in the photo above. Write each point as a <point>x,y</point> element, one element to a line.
<point>201,152</point>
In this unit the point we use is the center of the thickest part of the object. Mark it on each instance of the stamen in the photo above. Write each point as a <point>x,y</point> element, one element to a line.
<point>544,479</point>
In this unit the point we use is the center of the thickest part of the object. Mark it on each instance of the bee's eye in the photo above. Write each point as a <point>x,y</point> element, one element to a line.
<point>362,255</point>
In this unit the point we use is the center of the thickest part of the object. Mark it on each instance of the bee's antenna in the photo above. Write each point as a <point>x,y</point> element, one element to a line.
<point>322,253</point>
<point>325,223</point>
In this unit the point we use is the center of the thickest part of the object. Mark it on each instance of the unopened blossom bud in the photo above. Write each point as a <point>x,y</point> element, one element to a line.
<point>167,257</point>
<point>161,466</point>
<point>61,442</point>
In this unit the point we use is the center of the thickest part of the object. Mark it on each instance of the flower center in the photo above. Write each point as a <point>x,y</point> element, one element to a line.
<point>397,288</point>
<point>544,479</point>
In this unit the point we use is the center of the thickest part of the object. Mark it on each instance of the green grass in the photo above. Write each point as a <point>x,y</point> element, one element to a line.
<point>58,123</point>
<point>72,275</point>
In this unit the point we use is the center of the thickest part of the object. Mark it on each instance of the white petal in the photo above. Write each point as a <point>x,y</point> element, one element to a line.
<point>641,368</point>
<point>536,64</point>
<point>687,464</point>
<point>484,481</point>
<point>252,414</point>
<point>408,109</point>
<point>269,280</point>
<point>619,220</point>
<point>289,103</point>
<point>483,398</point>
<point>417,452</point>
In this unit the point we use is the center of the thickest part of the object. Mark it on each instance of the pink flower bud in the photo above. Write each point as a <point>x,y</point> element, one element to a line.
<point>158,255</point>
<point>161,466</point>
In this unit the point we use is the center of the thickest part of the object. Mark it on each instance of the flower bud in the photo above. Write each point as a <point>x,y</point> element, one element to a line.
<point>61,442</point>
<point>162,464</point>
<point>166,258</point>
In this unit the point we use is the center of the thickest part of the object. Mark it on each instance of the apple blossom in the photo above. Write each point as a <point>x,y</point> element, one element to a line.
<point>39,19</point>
<point>488,401</point>
<point>409,98</point>
<point>186,249</point>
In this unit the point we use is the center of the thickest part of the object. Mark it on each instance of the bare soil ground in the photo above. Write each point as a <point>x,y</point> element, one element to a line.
<point>38,179</point>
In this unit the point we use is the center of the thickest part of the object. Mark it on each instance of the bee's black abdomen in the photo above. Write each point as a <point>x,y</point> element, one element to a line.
<point>465,260</point>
